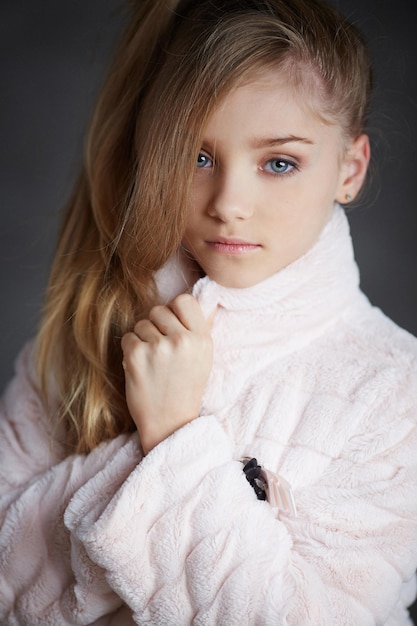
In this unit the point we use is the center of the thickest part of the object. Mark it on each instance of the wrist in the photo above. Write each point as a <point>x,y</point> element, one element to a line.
<point>151,435</point>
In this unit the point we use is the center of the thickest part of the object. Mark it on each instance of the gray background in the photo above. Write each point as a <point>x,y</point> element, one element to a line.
<point>53,54</point>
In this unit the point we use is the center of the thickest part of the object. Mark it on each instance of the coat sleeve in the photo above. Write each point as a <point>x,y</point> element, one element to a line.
<point>46,577</point>
<point>186,541</point>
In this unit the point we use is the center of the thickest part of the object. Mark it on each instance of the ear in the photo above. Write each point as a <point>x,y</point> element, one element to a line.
<point>353,169</point>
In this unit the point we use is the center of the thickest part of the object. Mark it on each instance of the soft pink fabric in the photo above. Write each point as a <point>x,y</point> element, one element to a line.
<point>308,378</point>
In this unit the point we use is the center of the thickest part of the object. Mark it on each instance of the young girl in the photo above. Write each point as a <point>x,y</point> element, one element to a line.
<point>213,425</point>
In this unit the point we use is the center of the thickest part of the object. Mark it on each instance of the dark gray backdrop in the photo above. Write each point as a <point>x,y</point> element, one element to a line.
<point>53,54</point>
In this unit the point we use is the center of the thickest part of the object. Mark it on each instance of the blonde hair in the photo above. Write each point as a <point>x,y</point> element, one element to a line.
<point>126,217</point>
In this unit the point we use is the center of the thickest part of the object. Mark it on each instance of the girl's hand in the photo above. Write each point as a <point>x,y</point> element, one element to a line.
<point>167,362</point>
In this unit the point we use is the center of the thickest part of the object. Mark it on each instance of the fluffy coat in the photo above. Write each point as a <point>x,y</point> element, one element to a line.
<point>308,378</point>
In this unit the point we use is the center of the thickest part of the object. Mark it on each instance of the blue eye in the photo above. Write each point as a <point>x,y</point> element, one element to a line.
<point>204,161</point>
<point>279,166</point>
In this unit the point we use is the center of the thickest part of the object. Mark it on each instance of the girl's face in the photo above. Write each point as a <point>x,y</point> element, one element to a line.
<point>266,179</point>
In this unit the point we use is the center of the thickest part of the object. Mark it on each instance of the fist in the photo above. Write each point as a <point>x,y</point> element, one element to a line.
<point>167,362</point>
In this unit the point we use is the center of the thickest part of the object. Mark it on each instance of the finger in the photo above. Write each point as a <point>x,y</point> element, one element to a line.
<point>128,344</point>
<point>165,320</point>
<point>146,330</point>
<point>189,312</point>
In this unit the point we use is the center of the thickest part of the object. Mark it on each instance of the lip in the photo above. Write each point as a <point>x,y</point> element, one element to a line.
<point>232,245</point>
<point>231,241</point>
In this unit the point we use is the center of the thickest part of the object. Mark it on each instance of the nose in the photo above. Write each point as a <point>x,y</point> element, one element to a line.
<point>231,199</point>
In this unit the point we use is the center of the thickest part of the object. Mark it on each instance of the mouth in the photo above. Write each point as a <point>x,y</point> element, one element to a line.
<point>232,245</point>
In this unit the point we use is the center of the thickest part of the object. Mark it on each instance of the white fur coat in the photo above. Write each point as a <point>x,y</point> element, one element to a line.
<point>308,378</point>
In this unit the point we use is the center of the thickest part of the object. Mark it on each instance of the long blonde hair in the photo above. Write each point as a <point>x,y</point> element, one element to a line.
<point>126,217</point>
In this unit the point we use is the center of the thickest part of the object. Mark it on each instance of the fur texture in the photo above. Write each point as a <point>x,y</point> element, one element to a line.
<point>311,380</point>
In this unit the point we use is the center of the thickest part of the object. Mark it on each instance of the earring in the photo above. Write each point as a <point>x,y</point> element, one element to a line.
<point>348,197</point>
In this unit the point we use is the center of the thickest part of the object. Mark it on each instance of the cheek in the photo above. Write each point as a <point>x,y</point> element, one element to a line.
<point>199,191</point>
<point>199,201</point>
<point>193,228</point>
<point>192,221</point>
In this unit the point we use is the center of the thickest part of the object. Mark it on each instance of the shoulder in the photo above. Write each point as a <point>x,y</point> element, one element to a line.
<point>381,343</point>
<point>365,361</point>
<point>379,361</point>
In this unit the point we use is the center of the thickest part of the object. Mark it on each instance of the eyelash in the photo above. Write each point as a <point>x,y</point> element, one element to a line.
<point>293,167</point>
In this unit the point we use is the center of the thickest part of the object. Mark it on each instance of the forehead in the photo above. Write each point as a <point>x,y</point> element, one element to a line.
<point>272,102</point>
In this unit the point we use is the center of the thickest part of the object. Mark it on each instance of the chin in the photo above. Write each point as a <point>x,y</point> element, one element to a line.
<point>236,282</point>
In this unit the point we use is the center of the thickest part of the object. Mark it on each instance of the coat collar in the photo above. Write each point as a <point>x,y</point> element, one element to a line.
<point>254,327</point>
<point>325,277</point>
<point>317,284</point>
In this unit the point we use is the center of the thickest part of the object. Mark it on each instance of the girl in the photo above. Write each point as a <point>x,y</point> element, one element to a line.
<point>204,315</point>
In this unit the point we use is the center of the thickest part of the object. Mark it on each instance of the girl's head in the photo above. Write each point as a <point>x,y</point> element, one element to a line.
<point>266,180</point>
<point>176,63</point>
<point>178,60</point>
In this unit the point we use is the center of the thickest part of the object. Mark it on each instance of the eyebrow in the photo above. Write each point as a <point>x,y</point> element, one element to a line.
<point>268,142</point>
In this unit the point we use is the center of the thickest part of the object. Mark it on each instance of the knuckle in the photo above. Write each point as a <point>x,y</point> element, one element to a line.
<point>176,340</point>
<point>183,300</point>
<point>129,361</point>
<point>140,324</point>
<point>162,351</point>
<point>156,311</point>
<point>127,342</point>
